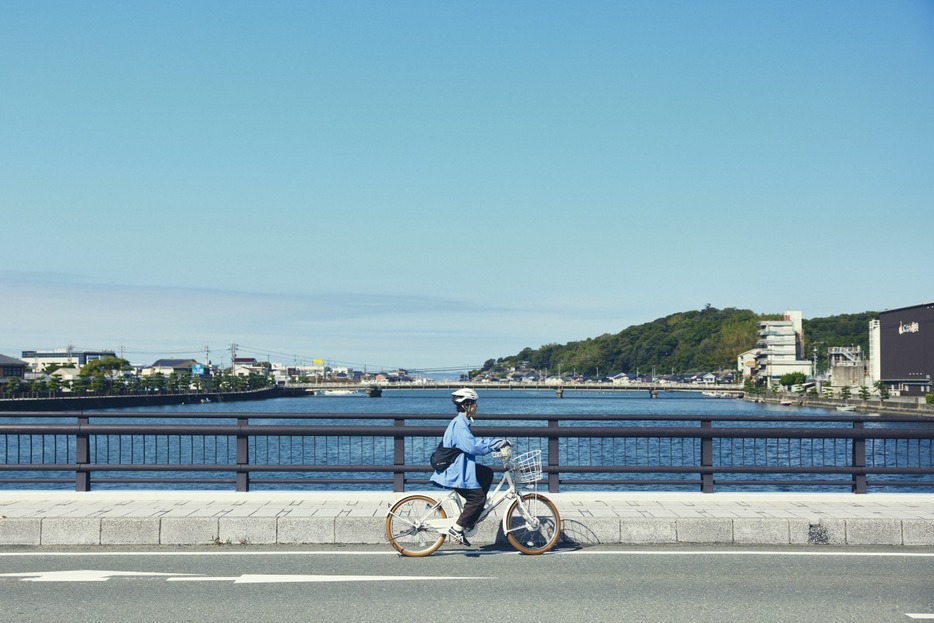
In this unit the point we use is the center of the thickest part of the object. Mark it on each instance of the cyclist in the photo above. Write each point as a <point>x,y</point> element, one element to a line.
<point>469,480</point>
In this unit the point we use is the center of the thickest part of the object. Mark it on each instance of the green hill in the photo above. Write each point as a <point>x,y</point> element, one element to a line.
<point>693,341</point>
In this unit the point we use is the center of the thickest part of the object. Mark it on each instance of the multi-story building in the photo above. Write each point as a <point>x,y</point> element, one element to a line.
<point>901,346</point>
<point>65,357</point>
<point>779,348</point>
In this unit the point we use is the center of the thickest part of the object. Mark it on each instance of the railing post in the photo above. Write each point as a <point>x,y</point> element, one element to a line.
<point>707,456</point>
<point>553,480</point>
<point>243,455</point>
<point>398,456</point>
<point>859,460</point>
<point>82,456</point>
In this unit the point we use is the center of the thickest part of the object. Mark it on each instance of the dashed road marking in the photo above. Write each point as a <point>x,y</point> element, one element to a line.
<point>95,575</point>
<point>81,575</point>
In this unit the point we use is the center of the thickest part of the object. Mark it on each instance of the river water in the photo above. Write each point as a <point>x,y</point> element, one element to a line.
<point>500,402</point>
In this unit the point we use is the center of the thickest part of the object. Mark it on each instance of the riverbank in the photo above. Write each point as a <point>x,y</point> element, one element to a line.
<point>890,406</point>
<point>93,403</point>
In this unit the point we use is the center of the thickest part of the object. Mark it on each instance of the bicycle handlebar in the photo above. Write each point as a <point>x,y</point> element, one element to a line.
<point>504,453</point>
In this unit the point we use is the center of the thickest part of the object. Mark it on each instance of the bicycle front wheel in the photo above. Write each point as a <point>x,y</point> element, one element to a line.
<point>533,524</point>
<point>407,528</point>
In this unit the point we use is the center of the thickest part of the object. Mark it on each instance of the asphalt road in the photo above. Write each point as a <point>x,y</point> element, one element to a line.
<point>233,584</point>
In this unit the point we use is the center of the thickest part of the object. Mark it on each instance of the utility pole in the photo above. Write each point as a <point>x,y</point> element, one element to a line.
<point>816,382</point>
<point>233,357</point>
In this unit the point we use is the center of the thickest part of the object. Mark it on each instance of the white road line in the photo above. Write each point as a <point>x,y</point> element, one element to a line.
<point>914,615</point>
<point>80,575</point>
<point>583,552</point>
<point>94,575</point>
<point>752,553</point>
<point>285,579</point>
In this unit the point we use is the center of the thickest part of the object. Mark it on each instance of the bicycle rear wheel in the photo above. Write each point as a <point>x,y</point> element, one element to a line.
<point>406,528</point>
<point>536,529</point>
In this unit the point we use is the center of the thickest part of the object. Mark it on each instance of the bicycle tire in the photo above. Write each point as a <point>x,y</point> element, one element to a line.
<point>533,539</point>
<point>406,537</point>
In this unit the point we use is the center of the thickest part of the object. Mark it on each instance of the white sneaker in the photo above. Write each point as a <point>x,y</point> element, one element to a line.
<point>458,537</point>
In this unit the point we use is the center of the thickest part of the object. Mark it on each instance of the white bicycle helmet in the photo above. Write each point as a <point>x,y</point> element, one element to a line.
<point>464,396</point>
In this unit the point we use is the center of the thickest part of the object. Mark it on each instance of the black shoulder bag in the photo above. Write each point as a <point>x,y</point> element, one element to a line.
<point>442,457</point>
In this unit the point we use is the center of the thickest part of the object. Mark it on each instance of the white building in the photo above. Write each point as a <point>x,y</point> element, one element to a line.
<point>875,351</point>
<point>64,357</point>
<point>747,364</point>
<point>779,348</point>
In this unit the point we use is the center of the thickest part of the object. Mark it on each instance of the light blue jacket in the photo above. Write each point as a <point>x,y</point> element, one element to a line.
<point>462,473</point>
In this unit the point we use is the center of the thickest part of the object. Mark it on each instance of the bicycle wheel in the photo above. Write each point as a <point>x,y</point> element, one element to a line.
<point>406,528</point>
<point>536,529</point>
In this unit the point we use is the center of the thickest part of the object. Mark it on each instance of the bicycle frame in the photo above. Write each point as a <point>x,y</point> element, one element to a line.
<point>418,524</point>
<point>504,490</point>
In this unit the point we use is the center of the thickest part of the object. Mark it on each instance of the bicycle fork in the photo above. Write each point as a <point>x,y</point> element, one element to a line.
<point>532,522</point>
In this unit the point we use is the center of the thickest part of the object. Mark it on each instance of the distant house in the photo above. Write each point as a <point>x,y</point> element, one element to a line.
<point>66,374</point>
<point>11,368</point>
<point>169,366</point>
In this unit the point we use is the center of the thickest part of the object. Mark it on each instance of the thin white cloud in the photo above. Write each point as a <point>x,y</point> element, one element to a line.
<point>53,310</point>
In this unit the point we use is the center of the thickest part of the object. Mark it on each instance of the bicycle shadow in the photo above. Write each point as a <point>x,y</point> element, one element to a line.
<point>575,535</point>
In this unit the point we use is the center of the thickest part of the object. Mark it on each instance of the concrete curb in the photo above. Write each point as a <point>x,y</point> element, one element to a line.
<point>292,518</point>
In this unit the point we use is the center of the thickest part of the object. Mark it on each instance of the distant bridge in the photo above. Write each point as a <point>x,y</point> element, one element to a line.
<point>717,389</point>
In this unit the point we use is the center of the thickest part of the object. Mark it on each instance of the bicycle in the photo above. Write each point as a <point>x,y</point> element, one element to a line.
<point>418,524</point>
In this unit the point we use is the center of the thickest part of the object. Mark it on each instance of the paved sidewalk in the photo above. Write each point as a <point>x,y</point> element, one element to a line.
<point>204,517</point>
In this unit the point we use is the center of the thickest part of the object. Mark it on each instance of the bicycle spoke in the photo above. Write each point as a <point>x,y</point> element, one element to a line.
<point>533,525</point>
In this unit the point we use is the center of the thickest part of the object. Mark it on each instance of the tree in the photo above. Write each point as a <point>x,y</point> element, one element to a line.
<point>883,390</point>
<point>101,373</point>
<point>98,383</point>
<point>845,392</point>
<point>792,378</point>
<point>154,382</point>
<point>105,366</point>
<point>863,393</point>
<point>13,385</point>
<point>80,385</point>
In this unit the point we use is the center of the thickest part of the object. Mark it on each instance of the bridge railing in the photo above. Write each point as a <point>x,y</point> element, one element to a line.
<point>282,451</point>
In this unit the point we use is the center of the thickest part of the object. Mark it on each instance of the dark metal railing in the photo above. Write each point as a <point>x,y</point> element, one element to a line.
<point>248,450</point>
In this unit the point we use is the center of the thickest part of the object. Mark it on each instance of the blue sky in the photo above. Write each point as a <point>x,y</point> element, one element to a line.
<point>432,184</point>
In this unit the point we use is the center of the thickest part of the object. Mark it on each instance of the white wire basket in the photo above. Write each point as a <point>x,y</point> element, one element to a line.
<point>528,467</point>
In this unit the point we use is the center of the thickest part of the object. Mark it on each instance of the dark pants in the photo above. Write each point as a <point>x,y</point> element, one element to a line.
<point>475,498</point>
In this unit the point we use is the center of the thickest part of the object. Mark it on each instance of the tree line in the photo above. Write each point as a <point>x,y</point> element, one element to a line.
<point>702,340</point>
<point>115,376</point>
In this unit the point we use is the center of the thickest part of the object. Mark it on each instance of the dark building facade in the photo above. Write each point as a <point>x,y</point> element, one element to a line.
<point>907,349</point>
